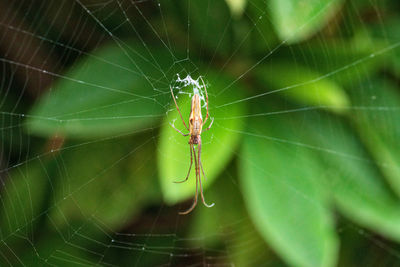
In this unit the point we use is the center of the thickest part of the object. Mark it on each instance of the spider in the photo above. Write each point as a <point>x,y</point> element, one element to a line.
<point>195,128</point>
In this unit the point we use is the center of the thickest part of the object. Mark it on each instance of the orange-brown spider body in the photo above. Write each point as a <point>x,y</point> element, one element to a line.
<point>196,124</point>
<point>195,121</point>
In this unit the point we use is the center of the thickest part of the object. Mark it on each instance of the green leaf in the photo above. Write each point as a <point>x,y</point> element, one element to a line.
<point>113,182</point>
<point>345,61</point>
<point>11,119</point>
<point>218,145</point>
<point>231,219</point>
<point>388,32</point>
<point>285,194</point>
<point>237,7</point>
<point>23,198</point>
<point>211,222</point>
<point>209,28</point>
<point>54,249</point>
<point>248,248</point>
<point>357,186</point>
<point>353,178</point>
<point>376,120</point>
<point>302,85</point>
<point>115,90</point>
<point>262,36</point>
<point>296,20</point>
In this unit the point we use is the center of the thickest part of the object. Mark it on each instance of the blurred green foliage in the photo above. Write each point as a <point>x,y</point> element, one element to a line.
<point>305,101</point>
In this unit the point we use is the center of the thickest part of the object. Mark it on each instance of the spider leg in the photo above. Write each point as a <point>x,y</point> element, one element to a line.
<point>176,105</point>
<point>212,121</point>
<point>200,165</point>
<point>190,167</point>
<point>197,190</point>
<point>205,89</point>
<point>178,130</point>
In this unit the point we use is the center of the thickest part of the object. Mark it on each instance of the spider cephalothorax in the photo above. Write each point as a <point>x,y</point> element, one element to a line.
<point>194,140</point>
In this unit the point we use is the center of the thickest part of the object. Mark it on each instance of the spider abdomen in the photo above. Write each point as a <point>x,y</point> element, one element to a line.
<point>195,119</point>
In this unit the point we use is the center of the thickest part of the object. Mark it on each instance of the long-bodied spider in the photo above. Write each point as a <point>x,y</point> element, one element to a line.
<point>195,128</point>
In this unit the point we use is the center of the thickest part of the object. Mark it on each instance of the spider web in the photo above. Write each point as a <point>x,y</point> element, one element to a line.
<point>48,218</point>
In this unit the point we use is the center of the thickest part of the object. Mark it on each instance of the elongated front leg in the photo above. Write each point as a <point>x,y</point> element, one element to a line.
<point>176,105</point>
<point>190,167</point>
<point>205,89</point>
<point>197,190</point>
<point>178,130</point>
<point>199,165</point>
<point>208,128</point>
